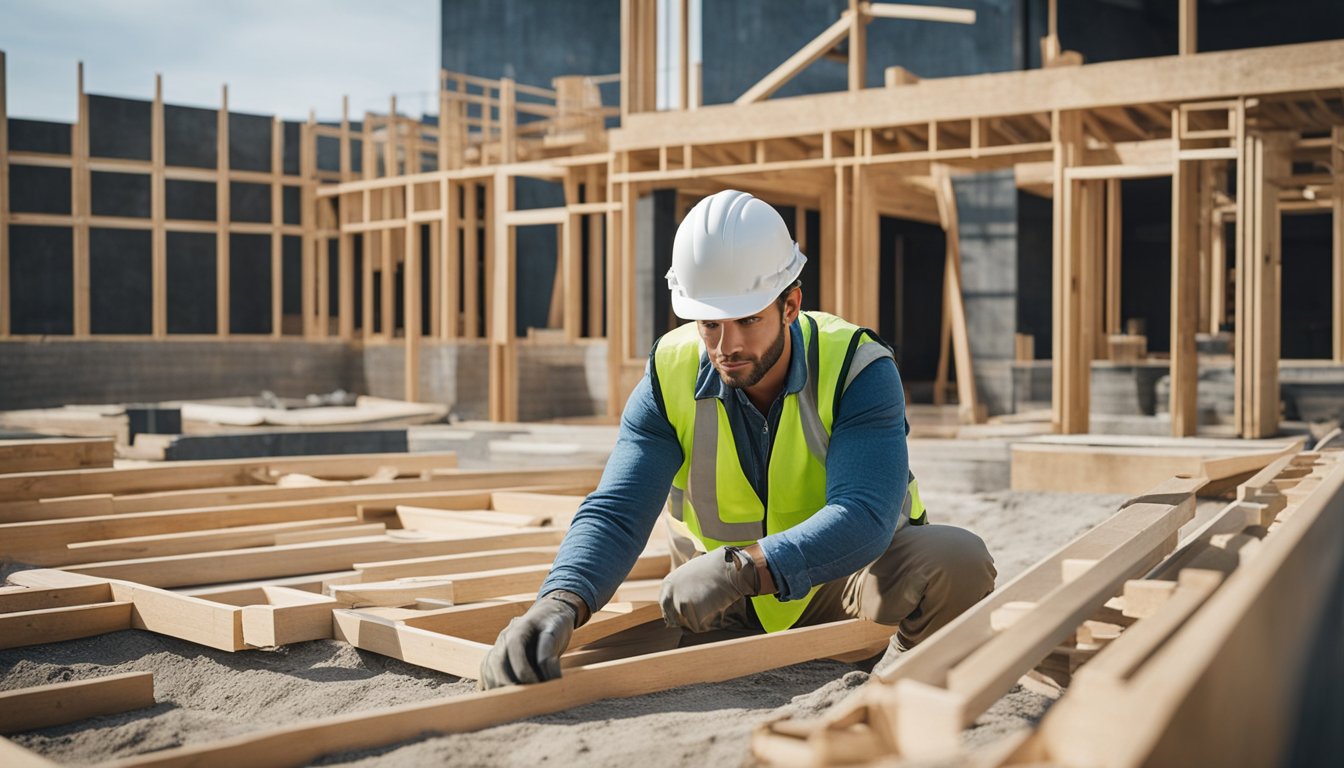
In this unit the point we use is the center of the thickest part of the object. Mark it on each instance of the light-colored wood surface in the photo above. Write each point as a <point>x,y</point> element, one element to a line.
<point>44,706</point>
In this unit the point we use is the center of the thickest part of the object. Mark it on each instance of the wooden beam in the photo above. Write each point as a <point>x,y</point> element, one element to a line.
<point>222,214</point>
<point>1114,230</point>
<point>411,309</point>
<point>968,402</point>
<point>52,625</point>
<point>713,662</point>
<point>5,204</point>
<point>1071,367</point>
<point>1336,243</point>
<point>802,59</point>
<point>45,455</point>
<point>917,12</point>
<point>858,48</point>
<point>1188,32</point>
<point>80,183</point>
<point>45,706</point>
<point>16,599</point>
<point>1167,79</point>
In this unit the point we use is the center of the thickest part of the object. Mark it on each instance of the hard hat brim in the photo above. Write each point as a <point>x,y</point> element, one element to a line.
<point>721,308</point>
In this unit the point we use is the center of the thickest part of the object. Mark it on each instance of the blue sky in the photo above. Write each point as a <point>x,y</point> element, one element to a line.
<point>278,57</point>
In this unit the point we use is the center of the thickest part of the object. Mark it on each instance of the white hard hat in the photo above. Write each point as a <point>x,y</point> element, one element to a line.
<point>732,256</point>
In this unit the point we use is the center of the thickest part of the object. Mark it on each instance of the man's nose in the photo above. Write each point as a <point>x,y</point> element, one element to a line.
<point>730,339</point>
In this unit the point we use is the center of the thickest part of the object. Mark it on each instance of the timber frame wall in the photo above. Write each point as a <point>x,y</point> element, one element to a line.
<point>1227,127</point>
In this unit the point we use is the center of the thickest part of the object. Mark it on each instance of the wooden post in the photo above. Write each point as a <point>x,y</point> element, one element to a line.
<point>570,262</point>
<point>1264,157</point>
<point>1113,246</point>
<point>593,191</point>
<point>411,296</point>
<point>4,203</point>
<point>277,220</point>
<point>503,328</point>
<point>954,309</point>
<point>158,247</point>
<point>1337,243</point>
<point>79,208</point>
<point>858,47</point>
<point>1093,243</point>
<point>1188,31</point>
<point>1071,366</point>
<point>1185,302</point>
<point>313,250</point>
<point>508,121</point>
<point>471,259</point>
<point>684,57</point>
<point>346,172</point>
<point>450,255</point>
<point>222,215</point>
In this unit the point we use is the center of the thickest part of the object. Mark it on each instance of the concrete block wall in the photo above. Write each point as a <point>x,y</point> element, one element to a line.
<point>562,381</point>
<point>37,374</point>
<point>456,375</point>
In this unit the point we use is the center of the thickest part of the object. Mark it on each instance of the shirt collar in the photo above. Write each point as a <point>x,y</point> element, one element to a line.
<point>708,383</point>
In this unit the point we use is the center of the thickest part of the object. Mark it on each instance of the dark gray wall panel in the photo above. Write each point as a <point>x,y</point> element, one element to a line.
<point>291,272</point>
<point>39,136</point>
<point>292,201</point>
<point>41,281</point>
<point>250,202</point>
<point>191,200</point>
<point>529,41</point>
<point>120,281</point>
<point>119,194</point>
<point>1034,269</point>
<point>37,189</point>
<point>289,160</point>
<point>250,284</point>
<point>119,128</point>
<point>190,136</point>
<point>1305,311</point>
<point>192,282</point>
<point>249,142</point>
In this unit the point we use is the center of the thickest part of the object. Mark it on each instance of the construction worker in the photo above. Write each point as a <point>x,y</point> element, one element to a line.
<point>781,435</point>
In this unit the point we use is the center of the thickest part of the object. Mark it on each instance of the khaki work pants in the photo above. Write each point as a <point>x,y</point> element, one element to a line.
<point>927,577</point>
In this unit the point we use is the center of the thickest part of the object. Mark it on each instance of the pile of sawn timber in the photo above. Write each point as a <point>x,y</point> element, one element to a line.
<point>405,556</point>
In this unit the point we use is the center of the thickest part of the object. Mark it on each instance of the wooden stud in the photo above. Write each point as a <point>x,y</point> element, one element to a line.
<point>46,706</point>
<point>1184,298</point>
<point>1336,247</point>
<point>1114,231</point>
<point>411,297</point>
<point>471,259</point>
<point>49,454</point>
<point>277,220</point>
<point>53,625</point>
<point>157,211</point>
<point>222,215</point>
<point>80,183</point>
<point>1188,32</point>
<point>858,48</point>
<point>1072,368</point>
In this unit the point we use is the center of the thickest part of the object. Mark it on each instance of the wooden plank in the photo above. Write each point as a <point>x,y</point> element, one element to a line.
<point>50,454</point>
<point>158,248</point>
<point>1185,226</point>
<point>52,625</point>
<point>222,215</point>
<point>46,542</point>
<point>713,662</point>
<point>180,475</point>
<point>14,756</point>
<point>213,497</point>
<point>45,706</point>
<point>80,184</point>
<point>18,599</point>
<point>453,564</point>
<point>294,559</point>
<point>1336,241</point>
<point>200,621</point>
<point>1120,469</point>
<point>161,544</point>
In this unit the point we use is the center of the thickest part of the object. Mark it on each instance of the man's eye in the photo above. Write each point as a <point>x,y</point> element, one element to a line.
<point>708,326</point>
<point>749,320</point>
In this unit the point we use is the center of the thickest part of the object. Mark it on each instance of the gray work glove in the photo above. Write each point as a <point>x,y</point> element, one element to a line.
<point>698,594</point>
<point>528,649</point>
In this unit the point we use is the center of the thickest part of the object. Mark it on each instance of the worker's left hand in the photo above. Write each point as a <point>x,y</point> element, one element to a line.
<point>696,595</point>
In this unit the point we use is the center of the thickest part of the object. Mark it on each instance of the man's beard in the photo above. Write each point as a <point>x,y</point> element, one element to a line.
<point>760,365</point>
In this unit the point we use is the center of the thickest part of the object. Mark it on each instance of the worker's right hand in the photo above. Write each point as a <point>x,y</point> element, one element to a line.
<point>529,648</point>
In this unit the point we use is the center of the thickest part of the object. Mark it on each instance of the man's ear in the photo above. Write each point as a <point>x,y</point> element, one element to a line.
<point>792,305</point>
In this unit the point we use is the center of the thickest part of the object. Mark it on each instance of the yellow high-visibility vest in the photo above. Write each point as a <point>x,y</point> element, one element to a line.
<point>711,495</point>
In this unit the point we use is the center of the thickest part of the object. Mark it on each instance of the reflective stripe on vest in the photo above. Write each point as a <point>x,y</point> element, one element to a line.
<point>711,495</point>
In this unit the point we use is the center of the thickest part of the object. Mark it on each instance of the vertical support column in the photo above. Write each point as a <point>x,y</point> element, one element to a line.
<point>444,128</point>
<point>571,266</point>
<point>828,255</point>
<point>1093,242</point>
<point>1263,157</point>
<point>1185,302</point>
<point>593,192</point>
<point>503,344</point>
<point>277,219</point>
<point>1203,225</point>
<point>79,208</point>
<point>1071,367</point>
<point>451,256</point>
<point>345,159</point>
<point>158,236</point>
<point>1337,242</point>
<point>615,287</point>
<point>1113,250</point>
<point>840,238</point>
<point>411,301</point>
<point>222,216</point>
<point>954,308</point>
<point>639,43</point>
<point>684,59</point>
<point>858,47</point>
<point>508,121</point>
<point>867,244</point>
<point>4,202</point>
<point>1189,32</point>
<point>312,251</point>
<point>471,259</point>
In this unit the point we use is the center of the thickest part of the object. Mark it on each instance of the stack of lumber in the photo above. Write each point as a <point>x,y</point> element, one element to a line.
<point>1168,654</point>
<point>398,554</point>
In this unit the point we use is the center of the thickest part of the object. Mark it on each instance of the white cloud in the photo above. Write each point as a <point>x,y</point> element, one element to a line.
<point>278,57</point>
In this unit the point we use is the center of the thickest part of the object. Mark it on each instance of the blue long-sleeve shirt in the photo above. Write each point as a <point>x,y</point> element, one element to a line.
<point>867,469</point>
